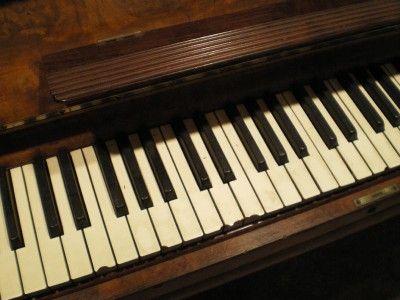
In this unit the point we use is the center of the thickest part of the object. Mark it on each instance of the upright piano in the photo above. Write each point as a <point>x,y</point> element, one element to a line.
<point>158,149</point>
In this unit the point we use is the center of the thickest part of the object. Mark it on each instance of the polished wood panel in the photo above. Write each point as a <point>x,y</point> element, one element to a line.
<point>28,40</point>
<point>139,68</point>
<point>30,30</point>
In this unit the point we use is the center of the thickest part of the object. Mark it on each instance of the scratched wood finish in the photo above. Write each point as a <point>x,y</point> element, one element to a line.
<point>137,69</point>
<point>256,248</point>
<point>31,29</point>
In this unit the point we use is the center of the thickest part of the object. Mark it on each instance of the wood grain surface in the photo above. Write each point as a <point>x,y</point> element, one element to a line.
<point>138,68</point>
<point>32,29</point>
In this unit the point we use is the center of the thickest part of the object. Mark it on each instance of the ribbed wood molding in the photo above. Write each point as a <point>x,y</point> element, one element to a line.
<point>130,71</point>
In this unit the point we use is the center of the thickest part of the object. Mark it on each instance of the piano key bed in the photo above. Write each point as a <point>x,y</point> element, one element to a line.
<point>126,201</point>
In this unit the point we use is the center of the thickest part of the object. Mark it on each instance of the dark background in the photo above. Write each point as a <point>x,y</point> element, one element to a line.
<point>365,265</point>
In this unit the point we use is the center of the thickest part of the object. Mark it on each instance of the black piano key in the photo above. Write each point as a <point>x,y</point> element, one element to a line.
<point>267,133</point>
<point>110,178</point>
<point>384,104</point>
<point>49,205</point>
<point>336,112</point>
<point>164,183</point>
<point>74,193</point>
<point>362,103</point>
<point>247,140</point>
<point>287,127</point>
<point>386,83</point>
<point>217,155</point>
<point>320,124</point>
<point>135,175</point>
<point>10,211</point>
<point>192,157</point>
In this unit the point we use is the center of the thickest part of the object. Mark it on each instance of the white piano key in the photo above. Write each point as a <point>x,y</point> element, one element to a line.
<point>201,200</point>
<point>347,150</point>
<point>331,157</point>
<point>139,220</point>
<point>73,242</point>
<point>241,187</point>
<point>259,180</point>
<point>363,144</point>
<point>10,284</point>
<point>277,174</point>
<point>181,207</point>
<point>221,194</point>
<point>118,228</point>
<point>296,168</point>
<point>379,140</point>
<point>315,163</point>
<point>160,212</point>
<point>95,235</point>
<point>53,259</point>
<point>392,133</point>
<point>29,261</point>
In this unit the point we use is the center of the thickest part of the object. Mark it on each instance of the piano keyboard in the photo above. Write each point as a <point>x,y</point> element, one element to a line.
<point>81,213</point>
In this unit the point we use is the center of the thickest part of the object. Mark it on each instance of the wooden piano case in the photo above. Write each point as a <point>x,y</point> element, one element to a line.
<point>285,42</point>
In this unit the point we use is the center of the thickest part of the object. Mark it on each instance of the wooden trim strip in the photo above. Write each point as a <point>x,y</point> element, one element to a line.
<point>206,41</point>
<point>141,68</point>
